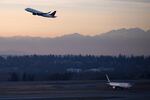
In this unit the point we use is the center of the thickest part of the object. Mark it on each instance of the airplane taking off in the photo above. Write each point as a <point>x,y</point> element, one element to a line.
<point>39,13</point>
<point>115,85</point>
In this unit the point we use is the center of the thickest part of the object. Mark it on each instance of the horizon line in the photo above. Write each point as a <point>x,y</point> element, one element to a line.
<point>31,36</point>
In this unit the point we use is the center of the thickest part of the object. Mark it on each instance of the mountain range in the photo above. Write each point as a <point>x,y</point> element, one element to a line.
<point>133,41</point>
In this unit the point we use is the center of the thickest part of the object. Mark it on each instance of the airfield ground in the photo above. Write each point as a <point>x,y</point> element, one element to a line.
<point>72,90</point>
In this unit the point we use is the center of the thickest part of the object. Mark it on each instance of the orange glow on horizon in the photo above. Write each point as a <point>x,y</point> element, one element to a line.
<point>73,19</point>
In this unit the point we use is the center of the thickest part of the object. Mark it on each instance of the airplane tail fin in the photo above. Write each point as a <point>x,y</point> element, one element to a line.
<point>53,13</point>
<point>107,78</point>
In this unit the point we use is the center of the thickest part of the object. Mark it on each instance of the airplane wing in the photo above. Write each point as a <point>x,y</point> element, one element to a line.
<point>39,12</point>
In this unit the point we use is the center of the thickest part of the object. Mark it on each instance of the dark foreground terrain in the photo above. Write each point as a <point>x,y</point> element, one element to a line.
<point>72,90</point>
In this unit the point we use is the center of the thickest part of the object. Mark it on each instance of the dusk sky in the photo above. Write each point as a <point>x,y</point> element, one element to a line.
<point>88,17</point>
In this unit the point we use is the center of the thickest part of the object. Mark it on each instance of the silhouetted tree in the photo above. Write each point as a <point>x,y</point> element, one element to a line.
<point>14,77</point>
<point>53,67</point>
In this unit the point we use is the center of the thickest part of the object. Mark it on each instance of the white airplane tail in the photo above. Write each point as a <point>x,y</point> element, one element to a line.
<point>107,78</point>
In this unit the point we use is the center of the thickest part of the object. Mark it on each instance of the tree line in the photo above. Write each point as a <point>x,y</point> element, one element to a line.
<point>54,67</point>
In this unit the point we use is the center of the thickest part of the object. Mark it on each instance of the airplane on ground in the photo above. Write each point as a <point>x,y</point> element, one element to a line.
<point>114,85</point>
<point>39,13</point>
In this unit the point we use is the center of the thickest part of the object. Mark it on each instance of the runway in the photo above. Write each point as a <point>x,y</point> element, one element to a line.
<point>71,90</point>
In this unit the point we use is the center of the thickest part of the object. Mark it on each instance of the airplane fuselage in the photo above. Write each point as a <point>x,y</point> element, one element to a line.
<point>115,85</point>
<point>119,85</point>
<point>39,13</point>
